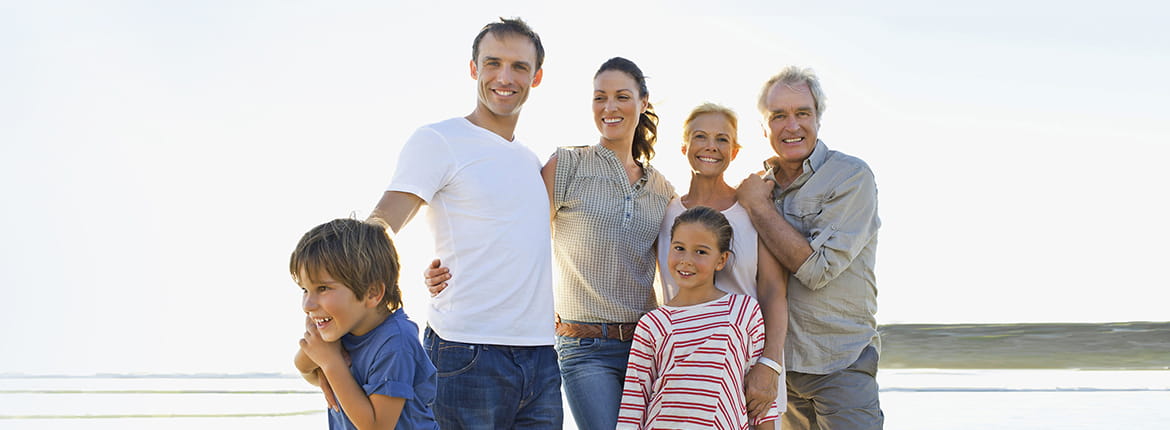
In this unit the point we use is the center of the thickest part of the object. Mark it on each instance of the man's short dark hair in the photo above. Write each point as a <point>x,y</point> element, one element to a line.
<point>506,26</point>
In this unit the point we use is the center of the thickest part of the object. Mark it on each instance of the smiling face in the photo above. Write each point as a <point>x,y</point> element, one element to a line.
<point>617,105</point>
<point>710,145</point>
<point>335,309</point>
<point>504,72</point>
<point>694,256</point>
<point>791,123</point>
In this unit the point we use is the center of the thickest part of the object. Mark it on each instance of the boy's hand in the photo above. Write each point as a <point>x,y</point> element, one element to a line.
<point>317,349</point>
<point>316,376</point>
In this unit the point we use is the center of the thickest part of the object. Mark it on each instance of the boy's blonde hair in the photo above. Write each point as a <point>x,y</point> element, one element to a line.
<point>356,253</point>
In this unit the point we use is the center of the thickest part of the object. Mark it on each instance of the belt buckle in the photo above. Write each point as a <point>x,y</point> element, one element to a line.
<point>621,333</point>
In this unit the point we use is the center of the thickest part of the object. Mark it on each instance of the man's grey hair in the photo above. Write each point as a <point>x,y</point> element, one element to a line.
<point>795,75</point>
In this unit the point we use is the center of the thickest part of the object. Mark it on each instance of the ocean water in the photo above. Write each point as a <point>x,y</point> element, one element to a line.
<point>185,402</point>
<point>1019,399</point>
<point>913,399</point>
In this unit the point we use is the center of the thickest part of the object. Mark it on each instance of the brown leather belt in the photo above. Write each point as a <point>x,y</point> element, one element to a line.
<point>622,332</point>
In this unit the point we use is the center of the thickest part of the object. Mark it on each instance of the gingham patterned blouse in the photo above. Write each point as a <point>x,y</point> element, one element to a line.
<point>604,236</point>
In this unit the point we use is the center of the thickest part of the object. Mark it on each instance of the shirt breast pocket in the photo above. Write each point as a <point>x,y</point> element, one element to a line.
<point>583,187</point>
<point>570,205</point>
<point>802,212</point>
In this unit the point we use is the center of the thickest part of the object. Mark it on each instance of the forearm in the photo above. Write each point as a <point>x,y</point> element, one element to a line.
<point>772,290</point>
<point>307,367</point>
<point>763,381</point>
<point>775,311</point>
<point>395,209</point>
<point>843,226</point>
<point>787,244</point>
<point>354,401</point>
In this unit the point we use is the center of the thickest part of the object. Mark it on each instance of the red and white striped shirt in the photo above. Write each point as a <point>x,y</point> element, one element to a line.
<point>687,366</point>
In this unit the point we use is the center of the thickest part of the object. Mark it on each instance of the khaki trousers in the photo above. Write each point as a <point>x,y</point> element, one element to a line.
<point>843,400</point>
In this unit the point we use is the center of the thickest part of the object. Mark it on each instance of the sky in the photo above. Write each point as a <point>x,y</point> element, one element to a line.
<point>158,162</point>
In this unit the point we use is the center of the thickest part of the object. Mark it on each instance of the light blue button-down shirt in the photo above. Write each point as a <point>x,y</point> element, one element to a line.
<point>832,297</point>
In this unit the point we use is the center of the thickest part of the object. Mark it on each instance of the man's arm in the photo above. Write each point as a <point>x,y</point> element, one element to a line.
<point>788,246</point>
<point>395,209</point>
<point>845,224</point>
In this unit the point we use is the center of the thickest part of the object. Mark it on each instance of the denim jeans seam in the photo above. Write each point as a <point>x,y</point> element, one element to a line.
<point>470,364</point>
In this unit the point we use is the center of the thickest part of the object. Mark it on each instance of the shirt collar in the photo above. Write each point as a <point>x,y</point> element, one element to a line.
<point>605,152</point>
<point>818,157</point>
<point>811,164</point>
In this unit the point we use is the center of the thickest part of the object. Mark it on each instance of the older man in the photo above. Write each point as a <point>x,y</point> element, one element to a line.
<point>816,210</point>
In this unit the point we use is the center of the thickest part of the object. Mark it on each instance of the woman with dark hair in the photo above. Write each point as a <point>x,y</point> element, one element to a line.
<point>607,206</point>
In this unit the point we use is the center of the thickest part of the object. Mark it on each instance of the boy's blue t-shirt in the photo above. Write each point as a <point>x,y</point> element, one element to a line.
<point>389,360</point>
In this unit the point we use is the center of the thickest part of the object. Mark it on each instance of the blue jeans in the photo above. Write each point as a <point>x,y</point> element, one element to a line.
<point>594,371</point>
<point>495,386</point>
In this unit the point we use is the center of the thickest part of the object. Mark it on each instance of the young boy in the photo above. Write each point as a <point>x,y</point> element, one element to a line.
<point>358,342</point>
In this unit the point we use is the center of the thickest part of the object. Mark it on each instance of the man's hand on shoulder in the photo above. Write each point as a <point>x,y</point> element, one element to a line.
<point>755,192</point>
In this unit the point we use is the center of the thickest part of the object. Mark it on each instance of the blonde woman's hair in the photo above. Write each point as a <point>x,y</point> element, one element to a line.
<point>713,108</point>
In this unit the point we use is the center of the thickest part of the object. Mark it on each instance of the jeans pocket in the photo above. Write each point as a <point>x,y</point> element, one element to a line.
<point>453,358</point>
<point>572,347</point>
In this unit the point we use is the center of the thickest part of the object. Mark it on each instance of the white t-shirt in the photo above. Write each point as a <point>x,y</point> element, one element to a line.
<point>490,221</point>
<point>738,275</point>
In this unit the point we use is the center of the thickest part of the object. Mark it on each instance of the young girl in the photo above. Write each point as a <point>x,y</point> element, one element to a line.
<point>689,357</point>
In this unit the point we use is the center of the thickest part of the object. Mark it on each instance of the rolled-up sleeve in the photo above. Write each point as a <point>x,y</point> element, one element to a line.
<point>847,223</point>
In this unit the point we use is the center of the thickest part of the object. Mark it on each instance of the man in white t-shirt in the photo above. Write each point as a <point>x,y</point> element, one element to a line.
<point>490,332</point>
